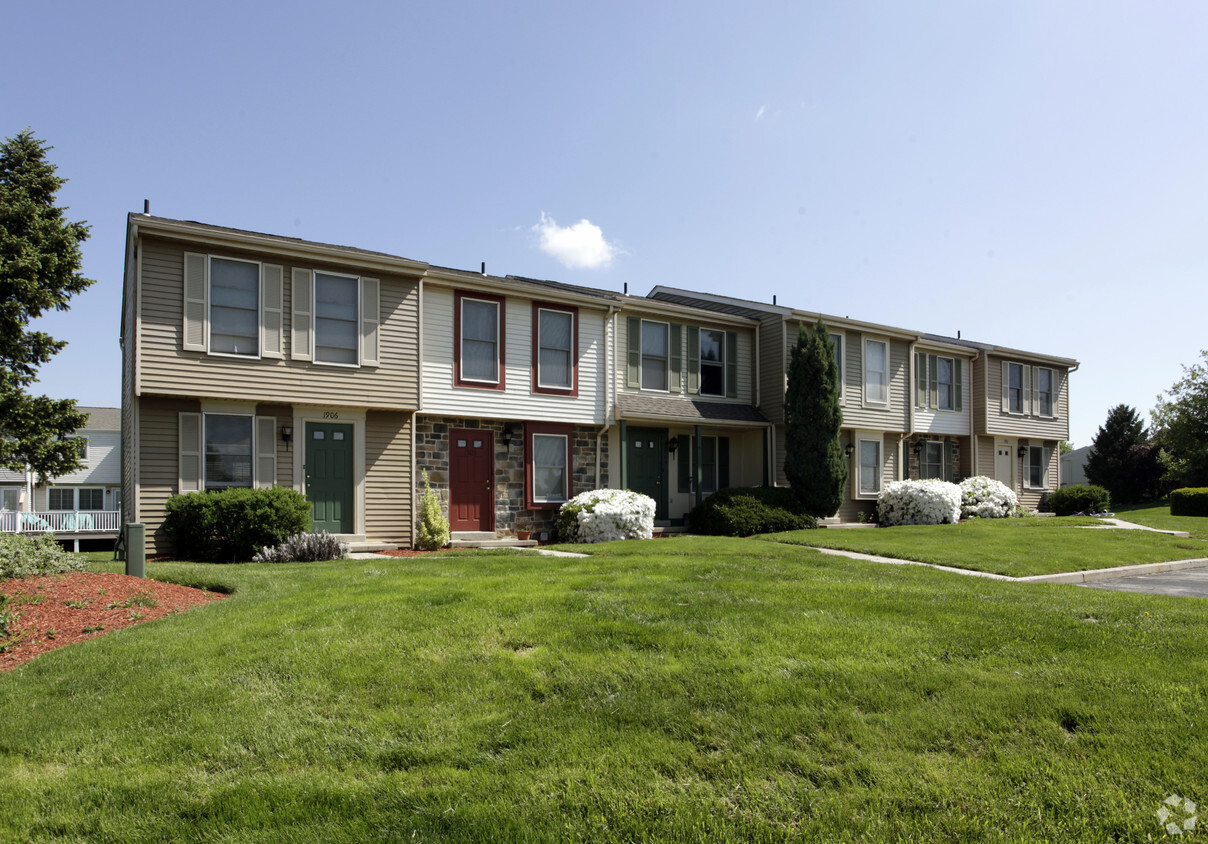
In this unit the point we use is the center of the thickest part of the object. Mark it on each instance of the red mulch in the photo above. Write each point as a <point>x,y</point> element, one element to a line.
<point>49,623</point>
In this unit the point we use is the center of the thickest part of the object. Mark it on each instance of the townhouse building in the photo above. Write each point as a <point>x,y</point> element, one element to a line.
<point>252,359</point>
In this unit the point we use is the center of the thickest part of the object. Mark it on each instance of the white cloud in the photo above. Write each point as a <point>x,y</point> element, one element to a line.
<point>581,246</point>
<point>761,111</point>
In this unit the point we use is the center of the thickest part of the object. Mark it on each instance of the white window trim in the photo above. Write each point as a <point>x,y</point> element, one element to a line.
<point>314,315</point>
<point>566,469</point>
<point>842,361</point>
<point>1027,468</point>
<point>461,353</point>
<point>210,306</point>
<point>700,361</point>
<point>1024,369</point>
<point>951,384</point>
<point>205,416</point>
<point>923,458</point>
<point>864,371</point>
<point>570,353</point>
<point>1052,392</point>
<point>863,437</point>
<point>80,489</point>
<point>642,356</point>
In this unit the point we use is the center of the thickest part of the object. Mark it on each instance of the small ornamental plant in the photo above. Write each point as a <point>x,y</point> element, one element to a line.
<point>433,533</point>
<point>26,556</point>
<point>305,548</point>
<point>986,498</point>
<point>930,502</point>
<point>604,515</point>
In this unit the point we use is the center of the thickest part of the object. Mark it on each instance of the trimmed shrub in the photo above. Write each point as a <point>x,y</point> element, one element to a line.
<point>603,515</point>
<point>1079,498</point>
<point>930,502</point>
<point>986,498</point>
<point>26,556</point>
<point>433,533</point>
<point>305,548</point>
<point>1189,501</point>
<point>231,525</point>
<point>746,511</point>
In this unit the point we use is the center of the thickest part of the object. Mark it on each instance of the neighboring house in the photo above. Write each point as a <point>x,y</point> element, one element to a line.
<point>82,505</point>
<point>1073,466</point>
<point>253,360</point>
<point>916,405</point>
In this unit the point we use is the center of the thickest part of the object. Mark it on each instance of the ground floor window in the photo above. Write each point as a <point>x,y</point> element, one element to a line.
<point>228,451</point>
<point>1036,467</point>
<point>547,464</point>
<point>931,460</point>
<point>714,463</point>
<point>10,498</point>
<point>869,476</point>
<point>60,498</point>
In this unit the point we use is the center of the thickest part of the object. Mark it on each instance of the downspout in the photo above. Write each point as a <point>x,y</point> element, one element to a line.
<point>972,426</point>
<point>609,344</point>
<point>911,397</point>
<point>419,401</point>
<point>1068,373</point>
<point>755,355</point>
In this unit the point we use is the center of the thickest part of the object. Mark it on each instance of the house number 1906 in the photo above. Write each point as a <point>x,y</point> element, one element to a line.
<point>331,414</point>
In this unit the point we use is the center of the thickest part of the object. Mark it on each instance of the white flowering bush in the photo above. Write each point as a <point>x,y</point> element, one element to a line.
<point>986,498</point>
<point>931,502</point>
<point>603,515</point>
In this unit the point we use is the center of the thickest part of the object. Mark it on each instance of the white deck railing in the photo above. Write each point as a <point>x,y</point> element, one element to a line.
<point>60,521</point>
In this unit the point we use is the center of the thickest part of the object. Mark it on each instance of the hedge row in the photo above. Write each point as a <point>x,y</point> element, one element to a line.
<point>1189,501</point>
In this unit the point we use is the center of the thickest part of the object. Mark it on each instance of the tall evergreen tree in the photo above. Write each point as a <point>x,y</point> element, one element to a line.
<point>1114,462</point>
<point>814,462</point>
<point>39,270</point>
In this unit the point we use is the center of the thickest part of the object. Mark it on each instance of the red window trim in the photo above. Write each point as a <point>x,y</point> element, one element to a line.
<point>458,295</point>
<point>574,349</point>
<point>567,431</point>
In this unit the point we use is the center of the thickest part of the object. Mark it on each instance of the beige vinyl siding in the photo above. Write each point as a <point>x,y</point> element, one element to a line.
<point>167,369</point>
<point>1029,425</point>
<point>284,414</point>
<point>894,417</point>
<point>985,458</point>
<point>746,362</point>
<point>389,487</point>
<point>158,467</point>
<point>517,400</point>
<point>773,367</point>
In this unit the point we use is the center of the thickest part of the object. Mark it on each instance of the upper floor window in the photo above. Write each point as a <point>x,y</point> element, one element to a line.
<point>479,340</point>
<point>654,355</point>
<point>337,301</point>
<point>945,387</point>
<point>1015,388</point>
<point>228,451</point>
<point>837,342</point>
<point>876,372</point>
<point>234,307</point>
<point>712,362</point>
<point>555,349</point>
<point>1044,391</point>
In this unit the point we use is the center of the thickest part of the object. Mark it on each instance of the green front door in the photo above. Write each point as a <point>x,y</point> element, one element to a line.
<point>329,476</point>
<point>646,453</point>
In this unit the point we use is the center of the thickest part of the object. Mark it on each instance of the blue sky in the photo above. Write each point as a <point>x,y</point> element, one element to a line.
<point>1032,174</point>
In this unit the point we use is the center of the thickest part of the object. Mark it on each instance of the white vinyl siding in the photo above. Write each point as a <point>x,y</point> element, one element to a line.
<point>517,401</point>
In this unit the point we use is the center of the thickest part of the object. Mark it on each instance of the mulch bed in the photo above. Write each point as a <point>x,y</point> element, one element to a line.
<point>55,610</point>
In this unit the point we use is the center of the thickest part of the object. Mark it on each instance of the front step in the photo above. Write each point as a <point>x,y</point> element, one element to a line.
<point>493,542</point>
<point>473,535</point>
<point>358,544</point>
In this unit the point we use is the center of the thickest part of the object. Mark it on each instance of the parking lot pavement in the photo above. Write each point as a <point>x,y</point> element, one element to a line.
<point>1189,583</point>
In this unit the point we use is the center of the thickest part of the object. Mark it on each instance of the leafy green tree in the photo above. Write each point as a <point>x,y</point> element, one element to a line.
<point>1181,428</point>
<point>1120,460</point>
<point>814,462</point>
<point>39,270</point>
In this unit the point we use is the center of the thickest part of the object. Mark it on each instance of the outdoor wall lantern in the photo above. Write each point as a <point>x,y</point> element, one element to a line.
<point>672,445</point>
<point>287,433</point>
<point>1023,451</point>
<point>509,432</point>
<point>850,450</point>
<point>918,448</point>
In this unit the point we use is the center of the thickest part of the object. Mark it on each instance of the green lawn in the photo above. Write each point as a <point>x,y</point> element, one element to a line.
<point>1014,547</point>
<point>680,689</point>
<point>1158,516</point>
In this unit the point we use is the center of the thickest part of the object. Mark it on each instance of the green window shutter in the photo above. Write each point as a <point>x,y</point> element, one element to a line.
<point>693,359</point>
<point>920,379</point>
<point>933,381</point>
<point>675,384</point>
<point>683,456</point>
<point>633,372</point>
<point>731,365</point>
<point>723,462</point>
<point>958,387</point>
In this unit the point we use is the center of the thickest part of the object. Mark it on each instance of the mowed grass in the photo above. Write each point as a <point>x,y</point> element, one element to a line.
<point>1014,547</point>
<point>678,689</point>
<point>1158,516</point>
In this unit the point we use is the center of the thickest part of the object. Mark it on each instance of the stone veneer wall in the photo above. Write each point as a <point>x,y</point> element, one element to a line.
<point>432,454</point>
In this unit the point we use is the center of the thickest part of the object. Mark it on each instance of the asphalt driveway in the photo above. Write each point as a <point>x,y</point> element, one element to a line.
<point>1188,583</point>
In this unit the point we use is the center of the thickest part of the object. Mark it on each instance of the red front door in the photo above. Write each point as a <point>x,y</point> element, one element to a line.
<point>471,479</point>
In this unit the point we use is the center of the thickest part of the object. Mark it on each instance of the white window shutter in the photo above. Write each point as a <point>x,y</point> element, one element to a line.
<point>266,451</point>
<point>271,296</point>
<point>302,335</point>
<point>370,321</point>
<point>1028,404</point>
<point>188,451</point>
<point>1006,387</point>
<point>196,302</point>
